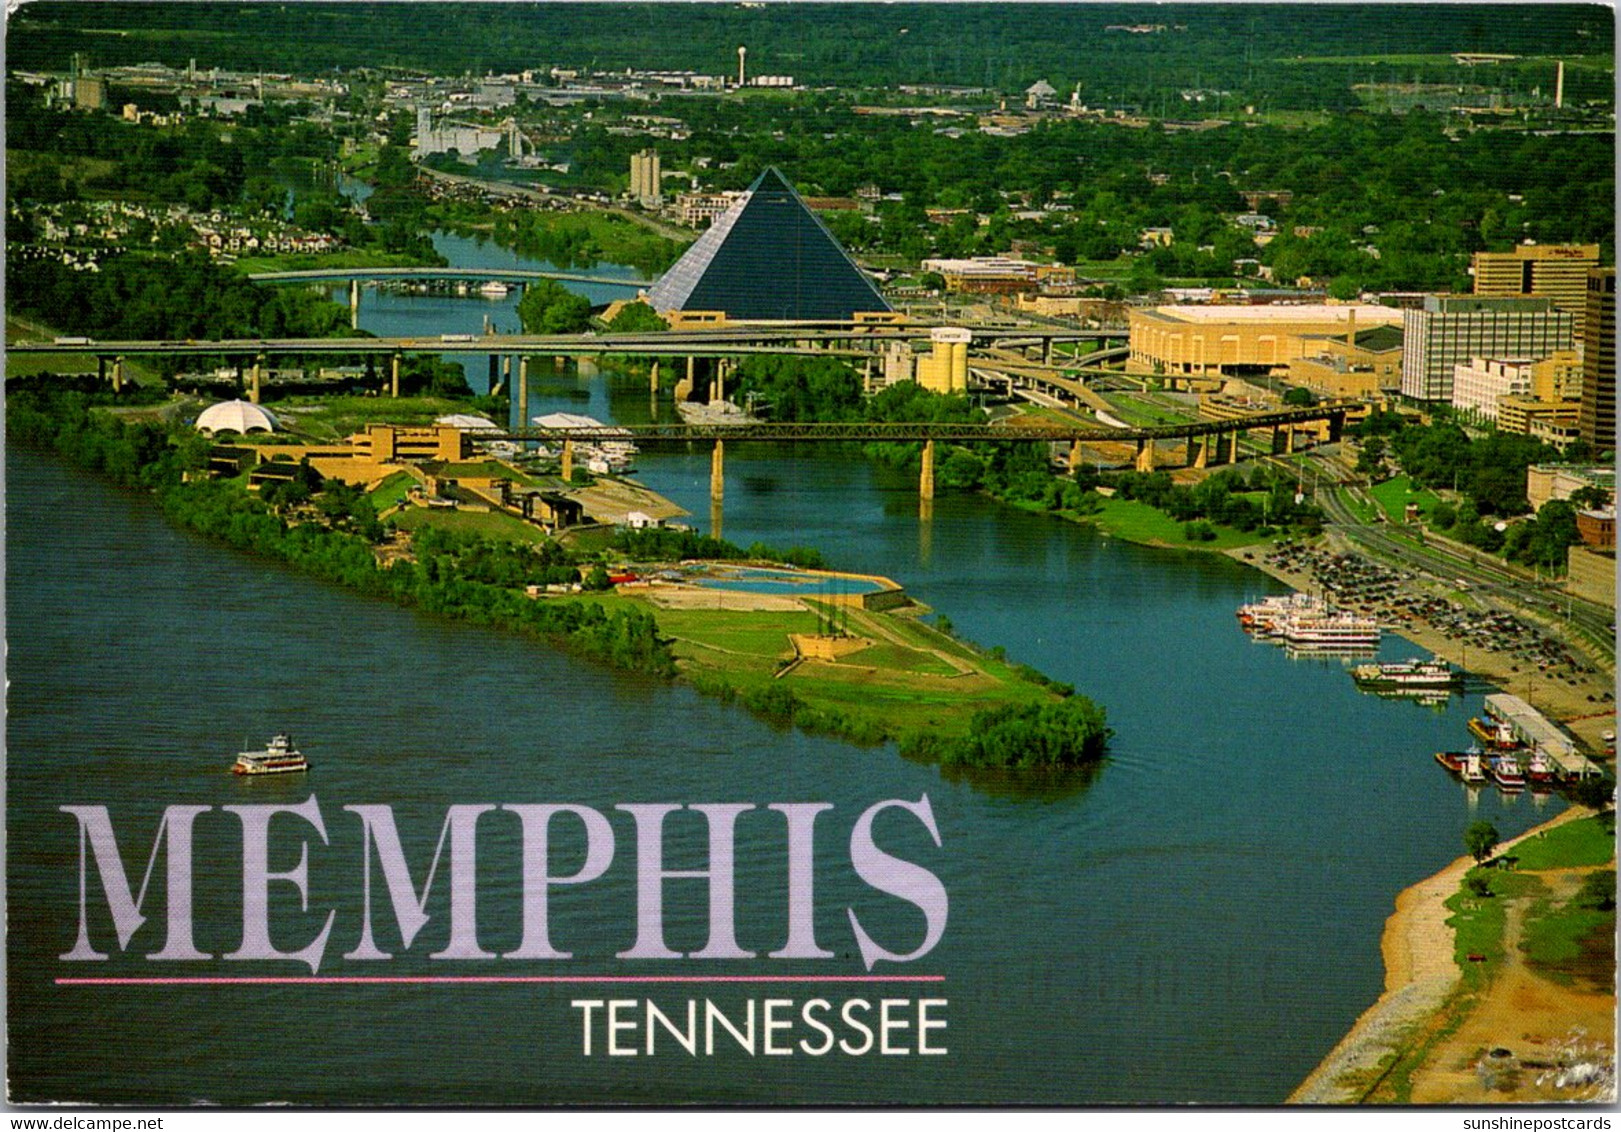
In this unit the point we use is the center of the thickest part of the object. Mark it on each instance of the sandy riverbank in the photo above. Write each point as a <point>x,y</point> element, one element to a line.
<point>1420,973</point>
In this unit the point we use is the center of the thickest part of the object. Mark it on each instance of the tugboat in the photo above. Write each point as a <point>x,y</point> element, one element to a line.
<point>1541,772</point>
<point>1493,735</point>
<point>1473,773</point>
<point>278,757</point>
<point>1507,774</point>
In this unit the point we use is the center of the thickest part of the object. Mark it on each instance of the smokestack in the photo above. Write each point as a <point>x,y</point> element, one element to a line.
<point>1559,87</point>
<point>1350,333</point>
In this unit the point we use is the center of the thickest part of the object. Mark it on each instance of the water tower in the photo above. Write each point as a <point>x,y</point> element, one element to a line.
<point>742,54</point>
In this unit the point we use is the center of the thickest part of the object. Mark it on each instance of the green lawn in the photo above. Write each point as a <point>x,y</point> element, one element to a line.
<point>1394,494</point>
<point>392,490</point>
<point>333,418</point>
<point>490,524</point>
<point>1138,522</point>
<point>1576,844</point>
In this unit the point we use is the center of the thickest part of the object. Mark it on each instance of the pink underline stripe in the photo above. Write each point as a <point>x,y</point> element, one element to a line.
<point>329,980</point>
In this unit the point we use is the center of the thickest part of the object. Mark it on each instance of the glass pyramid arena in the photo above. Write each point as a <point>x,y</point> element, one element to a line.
<point>767,258</point>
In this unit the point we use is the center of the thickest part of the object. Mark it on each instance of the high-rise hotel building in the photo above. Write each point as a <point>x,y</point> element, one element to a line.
<point>1596,420</point>
<point>1553,271</point>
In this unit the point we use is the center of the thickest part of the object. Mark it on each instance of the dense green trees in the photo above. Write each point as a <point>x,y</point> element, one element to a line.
<point>172,297</point>
<point>547,307</point>
<point>1050,736</point>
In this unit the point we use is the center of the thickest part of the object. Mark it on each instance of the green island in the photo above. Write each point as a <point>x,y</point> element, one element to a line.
<point>828,661</point>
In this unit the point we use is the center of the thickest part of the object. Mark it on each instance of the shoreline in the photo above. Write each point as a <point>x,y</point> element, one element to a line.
<point>1563,703</point>
<point>1421,972</point>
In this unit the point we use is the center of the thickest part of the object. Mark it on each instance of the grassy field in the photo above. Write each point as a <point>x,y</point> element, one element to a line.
<point>911,677</point>
<point>1138,522</point>
<point>1394,494</point>
<point>332,418</point>
<point>490,524</point>
<point>392,490</point>
<point>1577,844</point>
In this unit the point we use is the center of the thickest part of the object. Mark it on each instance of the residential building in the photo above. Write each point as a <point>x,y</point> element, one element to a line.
<point>1450,329</point>
<point>645,185</point>
<point>1555,271</point>
<point>1598,362</point>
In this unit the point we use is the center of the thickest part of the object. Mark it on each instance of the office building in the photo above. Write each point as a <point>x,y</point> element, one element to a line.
<point>1597,419</point>
<point>1450,329</point>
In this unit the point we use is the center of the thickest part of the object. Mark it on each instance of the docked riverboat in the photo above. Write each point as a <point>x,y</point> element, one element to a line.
<point>1260,618</point>
<point>1333,630</point>
<point>1414,676</point>
<point>278,757</point>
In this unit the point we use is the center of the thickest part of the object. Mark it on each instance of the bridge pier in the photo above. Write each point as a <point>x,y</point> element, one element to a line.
<point>717,381</point>
<point>1201,458</point>
<point>717,473</point>
<point>255,391</point>
<point>394,376</point>
<point>1046,351</point>
<point>118,375</point>
<point>925,485</point>
<point>653,379</point>
<point>1289,440</point>
<point>101,369</point>
<point>494,384</point>
<point>506,372</point>
<point>1336,427</point>
<point>354,304</point>
<point>1145,455</point>
<point>567,469</point>
<point>523,390</point>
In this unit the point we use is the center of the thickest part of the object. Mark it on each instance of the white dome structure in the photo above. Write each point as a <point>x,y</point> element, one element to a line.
<point>236,416</point>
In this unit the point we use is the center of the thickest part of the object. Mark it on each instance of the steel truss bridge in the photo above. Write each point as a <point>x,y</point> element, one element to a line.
<point>926,431</point>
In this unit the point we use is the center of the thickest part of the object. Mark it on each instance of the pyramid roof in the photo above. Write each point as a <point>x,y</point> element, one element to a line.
<point>768,257</point>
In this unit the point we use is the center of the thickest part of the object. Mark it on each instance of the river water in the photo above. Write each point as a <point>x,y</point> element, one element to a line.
<point>1196,922</point>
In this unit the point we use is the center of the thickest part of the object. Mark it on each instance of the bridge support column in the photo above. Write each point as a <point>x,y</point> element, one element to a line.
<point>717,382</point>
<point>1289,440</point>
<point>118,375</point>
<point>653,379</point>
<point>506,372</point>
<point>568,460</point>
<point>866,376</point>
<point>1145,455</point>
<point>1277,440</point>
<point>523,391</point>
<point>101,369</point>
<point>1336,427</point>
<point>717,473</point>
<point>354,304</point>
<point>394,376</point>
<point>925,483</point>
<point>1074,456</point>
<point>1199,458</point>
<point>1046,351</point>
<point>495,374</point>
<point>255,391</point>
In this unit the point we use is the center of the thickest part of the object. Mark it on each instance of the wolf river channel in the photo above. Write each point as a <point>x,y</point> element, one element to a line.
<point>1198,920</point>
